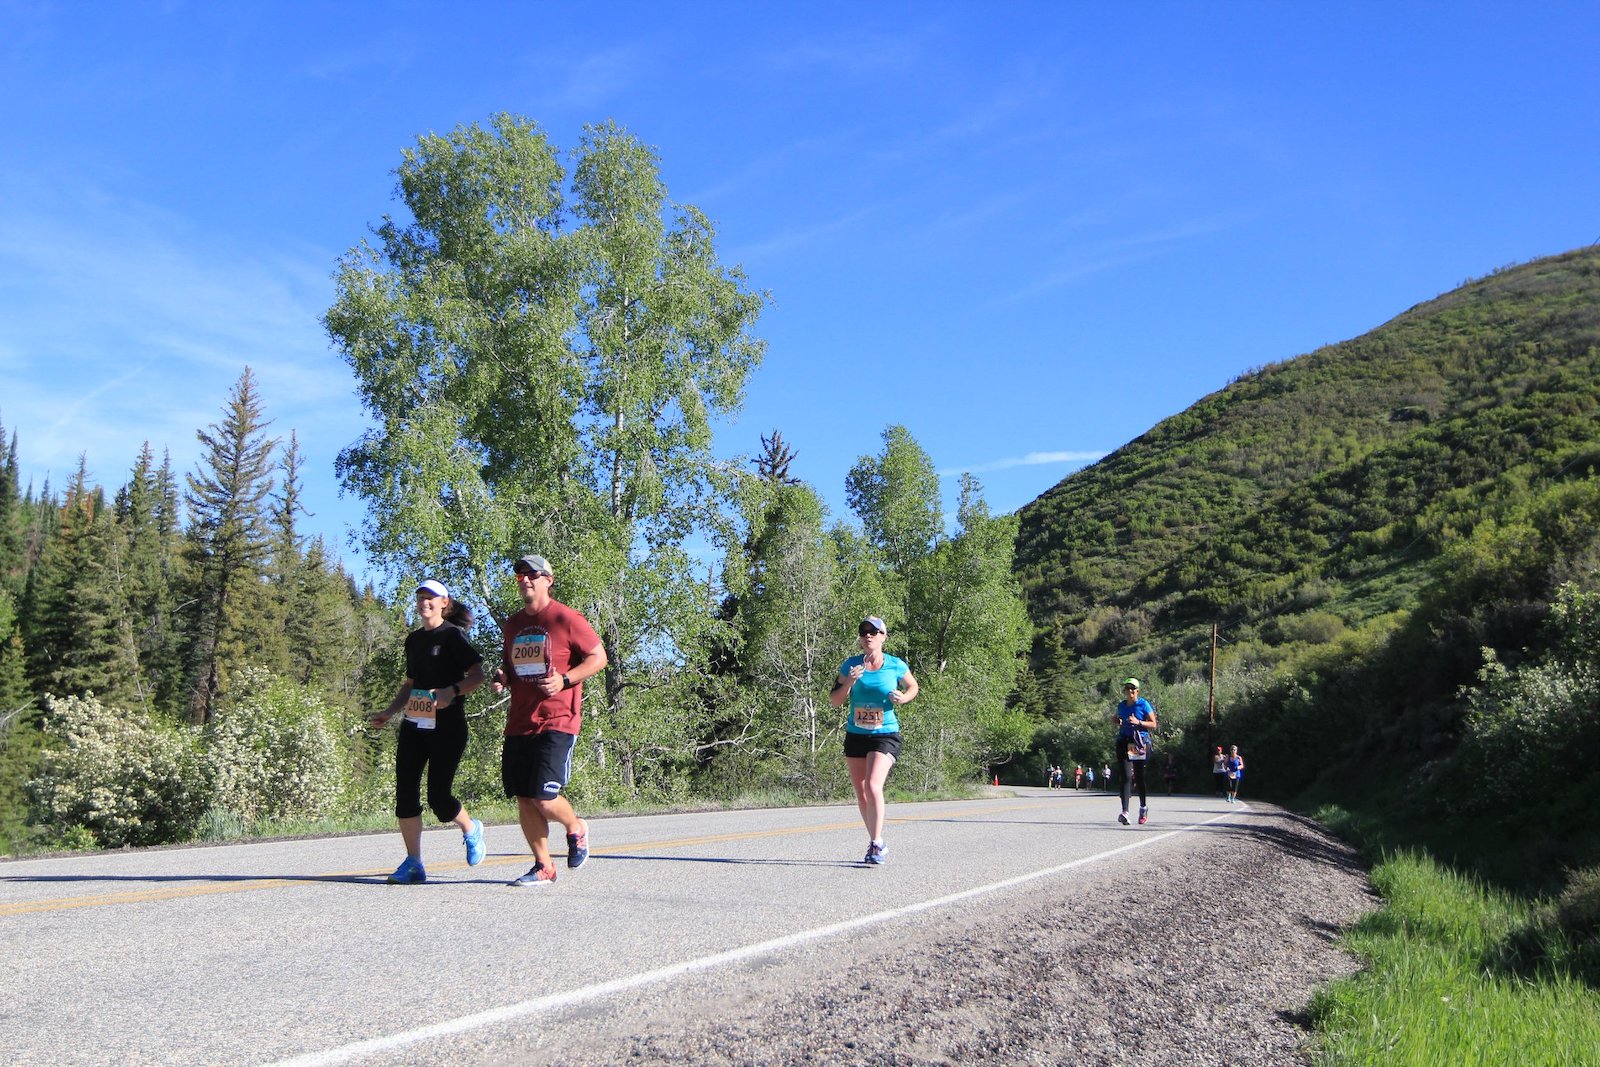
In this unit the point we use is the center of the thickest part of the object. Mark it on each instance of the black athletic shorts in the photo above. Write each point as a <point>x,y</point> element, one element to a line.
<point>537,766</point>
<point>858,745</point>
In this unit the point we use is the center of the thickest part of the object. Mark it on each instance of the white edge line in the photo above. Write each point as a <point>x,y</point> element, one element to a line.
<point>554,1001</point>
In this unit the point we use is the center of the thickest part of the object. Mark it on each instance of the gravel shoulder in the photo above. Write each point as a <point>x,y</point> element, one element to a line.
<point>1203,950</point>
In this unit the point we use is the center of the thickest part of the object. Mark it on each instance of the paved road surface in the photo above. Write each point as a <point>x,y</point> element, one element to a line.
<point>297,951</point>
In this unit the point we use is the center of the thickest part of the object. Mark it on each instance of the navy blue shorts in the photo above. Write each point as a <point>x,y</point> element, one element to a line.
<point>536,766</point>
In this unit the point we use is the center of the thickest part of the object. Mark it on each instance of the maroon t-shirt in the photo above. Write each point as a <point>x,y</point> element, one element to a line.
<point>551,641</point>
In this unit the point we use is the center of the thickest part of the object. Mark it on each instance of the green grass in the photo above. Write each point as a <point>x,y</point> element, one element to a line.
<point>1456,973</point>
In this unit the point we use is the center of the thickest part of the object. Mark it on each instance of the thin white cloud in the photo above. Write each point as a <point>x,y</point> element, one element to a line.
<point>121,323</point>
<point>796,238</point>
<point>1032,459</point>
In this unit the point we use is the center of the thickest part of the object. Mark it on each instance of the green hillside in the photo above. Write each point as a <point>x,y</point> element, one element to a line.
<point>1361,523</point>
<point>1328,477</point>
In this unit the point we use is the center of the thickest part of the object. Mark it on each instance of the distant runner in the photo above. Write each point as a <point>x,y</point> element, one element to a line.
<point>875,684</point>
<point>1135,719</point>
<point>1235,773</point>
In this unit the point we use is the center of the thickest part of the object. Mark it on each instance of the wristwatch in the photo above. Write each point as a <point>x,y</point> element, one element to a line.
<point>566,683</point>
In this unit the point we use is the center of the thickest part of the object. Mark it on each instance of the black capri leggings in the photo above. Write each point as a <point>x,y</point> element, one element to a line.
<point>440,751</point>
<point>1133,776</point>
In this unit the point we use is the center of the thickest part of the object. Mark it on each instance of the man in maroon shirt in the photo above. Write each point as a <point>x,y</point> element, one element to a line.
<point>550,650</point>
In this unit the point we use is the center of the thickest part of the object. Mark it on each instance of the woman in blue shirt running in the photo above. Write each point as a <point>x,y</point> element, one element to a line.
<point>1135,719</point>
<point>875,684</point>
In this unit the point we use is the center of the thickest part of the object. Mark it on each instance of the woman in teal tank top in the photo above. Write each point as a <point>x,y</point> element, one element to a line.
<point>876,685</point>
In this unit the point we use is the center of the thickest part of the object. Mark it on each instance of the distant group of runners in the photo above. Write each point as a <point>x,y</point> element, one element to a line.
<point>1136,718</point>
<point>548,651</point>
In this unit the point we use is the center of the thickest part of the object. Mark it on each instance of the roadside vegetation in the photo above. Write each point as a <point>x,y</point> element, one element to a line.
<point>1457,971</point>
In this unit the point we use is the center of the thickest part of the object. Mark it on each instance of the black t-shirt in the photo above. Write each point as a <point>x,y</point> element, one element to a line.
<point>439,657</point>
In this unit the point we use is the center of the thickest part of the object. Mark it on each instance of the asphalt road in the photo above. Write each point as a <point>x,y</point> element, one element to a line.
<point>297,951</point>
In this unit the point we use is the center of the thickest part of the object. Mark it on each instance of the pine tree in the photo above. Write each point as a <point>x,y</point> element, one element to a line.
<point>151,600</point>
<point>229,541</point>
<point>13,564</point>
<point>75,631</point>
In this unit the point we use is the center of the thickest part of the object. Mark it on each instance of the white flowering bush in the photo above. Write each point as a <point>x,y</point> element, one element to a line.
<point>272,750</point>
<point>1542,719</point>
<point>115,773</point>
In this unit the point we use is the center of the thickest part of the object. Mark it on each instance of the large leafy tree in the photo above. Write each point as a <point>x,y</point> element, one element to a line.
<point>896,496</point>
<point>543,374</point>
<point>969,627</point>
<point>795,628</point>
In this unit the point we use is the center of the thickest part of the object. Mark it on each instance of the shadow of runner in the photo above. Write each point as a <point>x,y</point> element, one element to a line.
<point>731,860</point>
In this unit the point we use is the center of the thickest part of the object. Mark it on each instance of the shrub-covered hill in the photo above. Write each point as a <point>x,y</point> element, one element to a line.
<point>1305,497</point>
<point>1399,539</point>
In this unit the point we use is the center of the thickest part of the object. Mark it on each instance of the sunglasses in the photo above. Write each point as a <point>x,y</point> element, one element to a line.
<point>865,630</point>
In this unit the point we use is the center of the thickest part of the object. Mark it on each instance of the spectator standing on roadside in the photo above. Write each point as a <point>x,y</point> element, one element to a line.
<point>875,685</point>
<point>1235,773</point>
<point>442,667</point>
<point>1219,772</point>
<point>1105,778</point>
<point>549,651</point>
<point>1135,719</point>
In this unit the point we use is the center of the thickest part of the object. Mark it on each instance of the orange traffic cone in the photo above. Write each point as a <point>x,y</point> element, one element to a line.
<point>997,779</point>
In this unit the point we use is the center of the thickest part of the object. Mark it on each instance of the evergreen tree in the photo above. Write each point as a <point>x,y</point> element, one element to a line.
<point>13,561</point>
<point>268,628</point>
<point>150,550</point>
<point>773,464</point>
<point>228,541</point>
<point>75,627</point>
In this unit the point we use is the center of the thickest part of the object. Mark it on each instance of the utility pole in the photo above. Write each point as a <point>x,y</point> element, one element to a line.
<point>1211,703</point>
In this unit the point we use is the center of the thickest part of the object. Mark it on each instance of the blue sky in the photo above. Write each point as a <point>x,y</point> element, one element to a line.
<point>1027,231</point>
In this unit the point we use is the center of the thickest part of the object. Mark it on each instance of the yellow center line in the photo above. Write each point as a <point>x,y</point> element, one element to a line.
<point>141,896</point>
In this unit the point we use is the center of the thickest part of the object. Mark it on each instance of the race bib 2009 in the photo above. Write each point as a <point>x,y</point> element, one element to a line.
<point>528,657</point>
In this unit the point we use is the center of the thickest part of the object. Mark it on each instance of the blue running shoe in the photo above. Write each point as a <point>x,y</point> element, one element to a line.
<point>474,842</point>
<point>578,847</point>
<point>537,875</point>
<point>874,854</point>
<point>409,872</point>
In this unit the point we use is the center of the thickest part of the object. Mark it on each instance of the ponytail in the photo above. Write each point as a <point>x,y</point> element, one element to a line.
<point>458,615</point>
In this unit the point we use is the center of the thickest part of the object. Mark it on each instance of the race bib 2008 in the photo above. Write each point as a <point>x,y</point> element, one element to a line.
<point>420,709</point>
